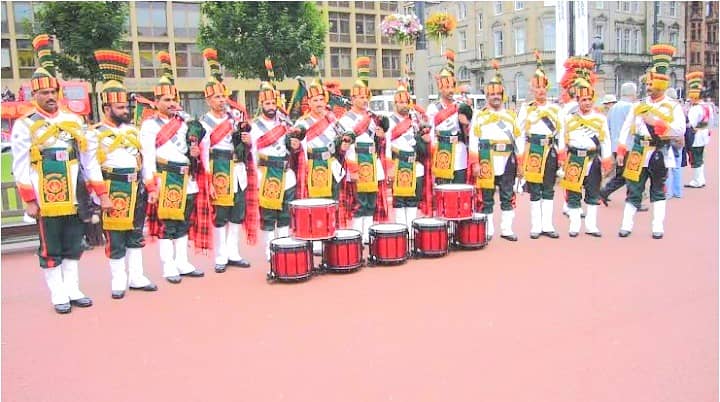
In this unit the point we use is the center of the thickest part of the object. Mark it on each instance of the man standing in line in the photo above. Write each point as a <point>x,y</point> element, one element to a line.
<point>48,148</point>
<point>699,117</point>
<point>116,144</point>
<point>167,151</point>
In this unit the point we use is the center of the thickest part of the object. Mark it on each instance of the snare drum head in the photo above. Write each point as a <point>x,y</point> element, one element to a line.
<point>454,187</point>
<point>312,202</point>
<point>287,242</point>
<point>429,222</point>
<point>347,234</point>
<point>388,228</point>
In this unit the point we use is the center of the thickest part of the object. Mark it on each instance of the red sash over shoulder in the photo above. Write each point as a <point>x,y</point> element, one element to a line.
<point>319,127</point>
<point>167,131</point>
<point>401,128</point>
<point>445,113</point>
<point>220,131</point>
<point>271,136</point>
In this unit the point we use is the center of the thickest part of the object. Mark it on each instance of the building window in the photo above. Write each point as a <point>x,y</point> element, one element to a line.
<point>372,54</point>
<point>712,33</point>
<point>637,41</point>
<point>339,27</point>
<point>26,57</point>
<point>618,40</point>
<point>151,18</point>
<point>365,28</point>
<point>519,5</point>
<point>127,47</point>
<point>519,40</point>
<point>340,4</point>
<point>3,15</point>
<point>673,9</point>
<point>481,52</point>
<point>368,5</point>
<point>636,7</point>
<point>674,38</point>
<point>549,35</point>
<point>462,11</point>
<point>462,41</point>
<point>389,5</point>
<point>149,66</point>
<point>693,32</point>
<point>391,63</point>
<point>340,65</point>
<point>521,87</point>
<point>625,6</point>
<point>6,59</point>
<point>186,19</point>
<point>498,41</point>
<point>193,103</point>
<point>599,5</point>
<point>189,60</point>
<point>479,21</point>
<point>463,74</point>
<point>23,11</point>
<point>626,40</point>
<point>598,31</point>
<point>498,7</point>
<point>409,63</point>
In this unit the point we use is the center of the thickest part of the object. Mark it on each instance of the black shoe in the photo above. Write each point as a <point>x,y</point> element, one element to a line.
<point>195,274</point>
<point>534,235</point>
<point>512,237</point>
<point>82,302</point>
<point>147,288</point>
<point>573,234</point>
<point>657,235</point>
<point>174,279</point>
<point>63,308</point>
<point>624,233</point>
<point>552,235</point>
<point>594,234</point>
<point>220,268</point>
<point>118,294</point>
<point>643,208</point>
<point>239,263</point>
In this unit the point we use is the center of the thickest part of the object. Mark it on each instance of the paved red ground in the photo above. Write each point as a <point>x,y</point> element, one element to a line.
<point>570,320</point>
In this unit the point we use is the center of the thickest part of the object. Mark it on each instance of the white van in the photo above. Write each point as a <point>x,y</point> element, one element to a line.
<point>478,100</point>
<point>382,105</point>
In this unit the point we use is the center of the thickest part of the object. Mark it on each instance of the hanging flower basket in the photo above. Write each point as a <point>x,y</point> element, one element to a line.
<point>440,25</point>
<point>401,28</point>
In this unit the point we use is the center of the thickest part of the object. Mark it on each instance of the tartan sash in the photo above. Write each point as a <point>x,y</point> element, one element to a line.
<point>123,196</point>
<point>318,128</point>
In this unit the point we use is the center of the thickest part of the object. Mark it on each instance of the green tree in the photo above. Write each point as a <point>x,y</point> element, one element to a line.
<point>245,33</point>
<point>82,28</point>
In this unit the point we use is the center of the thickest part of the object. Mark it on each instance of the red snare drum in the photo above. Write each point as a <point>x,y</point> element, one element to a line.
<point>388,243</point>
<point>454,201</point>
<point>430,237</point>
<point>290,259</point>
<point>313,218</point>
<point>472,233</point>
<point>344,251</point>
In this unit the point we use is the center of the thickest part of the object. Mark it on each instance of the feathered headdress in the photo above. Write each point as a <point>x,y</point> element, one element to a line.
<point>166,83</point>
<point>214,84</point>
<point>113,67</point>
<point>44,76</point>
<point>361,86</point>
<point>539,80</point>
<point>446,78</point>
<point>695,84</point>
<point>495,85</point>
<point>661,57</point>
